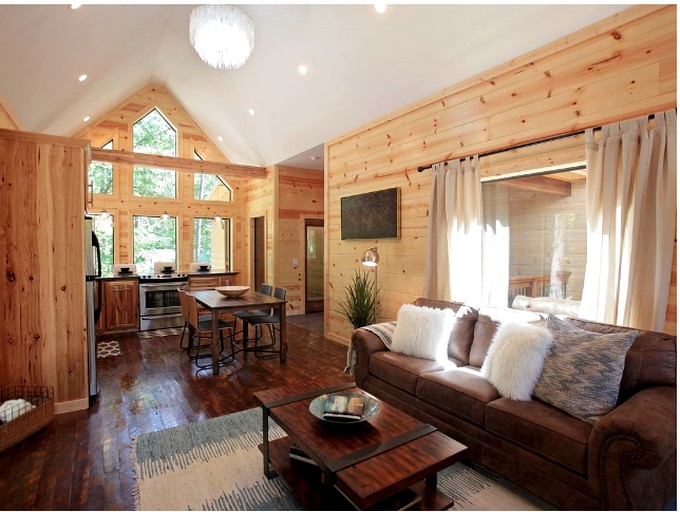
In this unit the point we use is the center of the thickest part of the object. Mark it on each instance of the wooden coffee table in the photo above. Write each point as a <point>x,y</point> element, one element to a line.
<point>387,462</point>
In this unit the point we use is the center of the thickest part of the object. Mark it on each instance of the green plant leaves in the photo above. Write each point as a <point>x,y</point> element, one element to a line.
<point>360,305</point>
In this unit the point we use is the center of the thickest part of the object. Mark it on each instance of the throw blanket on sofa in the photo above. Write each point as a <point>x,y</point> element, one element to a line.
<point>384,331</point>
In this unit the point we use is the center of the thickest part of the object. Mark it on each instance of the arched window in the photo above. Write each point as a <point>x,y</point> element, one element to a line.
<point>154,135</point>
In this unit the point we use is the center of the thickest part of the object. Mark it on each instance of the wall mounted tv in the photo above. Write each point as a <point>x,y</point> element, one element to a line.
<point>370,215</point>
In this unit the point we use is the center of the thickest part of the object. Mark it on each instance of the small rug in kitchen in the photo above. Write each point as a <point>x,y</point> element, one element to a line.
<point>160,333</point>
<point>216,465</point>
<point>109,348</point>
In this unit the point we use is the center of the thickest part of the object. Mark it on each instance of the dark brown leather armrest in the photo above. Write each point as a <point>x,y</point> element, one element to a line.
<point>635,439</point>
<point>365,343</point>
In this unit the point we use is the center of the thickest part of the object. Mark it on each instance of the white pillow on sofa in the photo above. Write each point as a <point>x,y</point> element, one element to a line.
<point>514,361</point>
<point>422,331</point>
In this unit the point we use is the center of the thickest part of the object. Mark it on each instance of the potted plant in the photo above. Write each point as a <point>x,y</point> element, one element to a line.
<point>360,304</point>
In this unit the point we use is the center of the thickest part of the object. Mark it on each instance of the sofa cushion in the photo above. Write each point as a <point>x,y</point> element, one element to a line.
<point>515,359</point>
<point>542,429</point>
<point>488,320</point>
<point>650,361</point>
<point>582,373</point>
<point>462,335</point>
<point>461,391</point>
<point>401,370</point>
<point>422,331</point>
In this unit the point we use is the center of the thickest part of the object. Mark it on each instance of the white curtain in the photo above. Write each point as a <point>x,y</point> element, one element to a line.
<point>453,269</point>
<point>631,213</point>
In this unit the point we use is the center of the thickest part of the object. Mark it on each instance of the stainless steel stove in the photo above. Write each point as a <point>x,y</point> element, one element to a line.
<point>159,304</point>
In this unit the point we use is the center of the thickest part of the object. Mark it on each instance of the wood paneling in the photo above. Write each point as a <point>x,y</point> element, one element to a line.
<point>42,288</point>
<point>621,67</point>
<point>300,193</point>
<point>123,205</point>
<point>7,119</point>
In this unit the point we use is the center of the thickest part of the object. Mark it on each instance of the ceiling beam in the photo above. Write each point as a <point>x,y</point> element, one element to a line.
<point>177,163</point>
<point>543,184</point>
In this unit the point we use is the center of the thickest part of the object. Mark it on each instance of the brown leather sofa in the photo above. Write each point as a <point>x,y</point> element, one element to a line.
<point>626,461</point>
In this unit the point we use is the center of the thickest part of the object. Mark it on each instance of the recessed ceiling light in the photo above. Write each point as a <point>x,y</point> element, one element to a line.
<point>251,111</point>
<point>302,69</point>
<point>313,158</point>
<point>219,137</point>
<point>75,6</point>
<point>86,119</point>
<point>380,8</point>
<point>82,77</point>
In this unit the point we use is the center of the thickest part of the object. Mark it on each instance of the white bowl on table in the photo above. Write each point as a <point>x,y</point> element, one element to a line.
<point>232,291</point>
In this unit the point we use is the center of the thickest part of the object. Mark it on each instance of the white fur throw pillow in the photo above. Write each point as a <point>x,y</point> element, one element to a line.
<point>514,361</point>
<point>423,332</point>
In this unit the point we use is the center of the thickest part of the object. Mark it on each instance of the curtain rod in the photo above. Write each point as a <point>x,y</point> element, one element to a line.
<point>519,146</point>
<point>527,144</point>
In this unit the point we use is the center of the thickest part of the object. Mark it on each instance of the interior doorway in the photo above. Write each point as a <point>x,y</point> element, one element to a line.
<point>257,251</point>
<point>314,236</point>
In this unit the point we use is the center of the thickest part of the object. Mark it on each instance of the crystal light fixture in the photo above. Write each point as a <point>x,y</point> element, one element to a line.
<point>222,35</point>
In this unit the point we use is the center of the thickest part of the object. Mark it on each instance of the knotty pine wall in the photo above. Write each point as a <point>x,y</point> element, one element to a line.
<point>123,205</point>
<point>621,67</point>
<point>7,119</point>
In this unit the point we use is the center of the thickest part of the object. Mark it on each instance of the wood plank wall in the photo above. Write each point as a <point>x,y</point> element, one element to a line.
<point>123,205</point>
<point>42,290</point>
<point>7,119</point>
<point>621,67</point>
<point>300,193</point>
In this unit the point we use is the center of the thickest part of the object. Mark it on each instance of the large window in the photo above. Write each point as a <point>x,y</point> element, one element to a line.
<point>155,240</point>
<point>153,134</point>
<point>535,237</point>
<point>210,187</point>
<point>103,228</point>
<point>100,174</point>
<point>212,242</point>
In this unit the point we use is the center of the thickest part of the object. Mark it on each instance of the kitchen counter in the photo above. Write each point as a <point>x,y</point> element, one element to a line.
<point>110,276</point>
<point>212,272</point>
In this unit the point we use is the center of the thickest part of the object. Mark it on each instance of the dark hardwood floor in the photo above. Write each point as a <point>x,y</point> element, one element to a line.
<point>81,461</point>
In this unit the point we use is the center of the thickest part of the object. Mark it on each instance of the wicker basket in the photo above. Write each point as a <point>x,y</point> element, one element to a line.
<point>22,426</point>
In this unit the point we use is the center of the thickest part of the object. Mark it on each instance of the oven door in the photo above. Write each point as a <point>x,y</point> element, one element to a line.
<point>159,298</point>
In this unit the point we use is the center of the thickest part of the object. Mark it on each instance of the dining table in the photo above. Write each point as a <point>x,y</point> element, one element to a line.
<point>217,304</point>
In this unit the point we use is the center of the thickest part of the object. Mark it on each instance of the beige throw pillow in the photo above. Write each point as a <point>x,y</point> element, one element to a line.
<point>582,373</point>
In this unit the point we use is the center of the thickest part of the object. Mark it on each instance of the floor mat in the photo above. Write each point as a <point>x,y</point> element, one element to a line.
<point>109,348</point>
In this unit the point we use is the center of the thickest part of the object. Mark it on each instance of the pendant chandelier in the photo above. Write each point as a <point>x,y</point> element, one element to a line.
<point>222,35</point>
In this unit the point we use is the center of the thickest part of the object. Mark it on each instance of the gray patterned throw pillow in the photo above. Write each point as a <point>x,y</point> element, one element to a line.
<point>582,373</point>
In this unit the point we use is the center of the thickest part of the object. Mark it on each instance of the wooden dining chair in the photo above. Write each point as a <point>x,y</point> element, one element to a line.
<point>271,321</point>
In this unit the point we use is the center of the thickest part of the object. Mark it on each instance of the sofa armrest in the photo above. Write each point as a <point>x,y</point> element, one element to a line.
<point>632,451</point>
<point>365,343</point>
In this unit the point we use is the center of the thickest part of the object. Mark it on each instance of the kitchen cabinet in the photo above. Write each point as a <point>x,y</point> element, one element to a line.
<point>43,327</point>
<point>211,281</point>
<point>120,305</point>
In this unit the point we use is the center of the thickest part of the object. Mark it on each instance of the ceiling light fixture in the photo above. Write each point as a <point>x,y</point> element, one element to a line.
<point>165,216</point>
<point>251,111</point>
<point>222,35</point>
<point>75,6</point>
<point>82,77</point>
<point>86,119</point>
<point>219,137</point>
<point>380,8</point>
<point>218,218</point>
<point>302,69</point>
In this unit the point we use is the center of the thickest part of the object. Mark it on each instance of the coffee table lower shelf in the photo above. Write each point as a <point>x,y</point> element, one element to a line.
<point>304,480</point>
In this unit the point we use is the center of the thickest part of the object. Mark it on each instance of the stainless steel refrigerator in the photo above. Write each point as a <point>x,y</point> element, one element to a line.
<point>93,271</point>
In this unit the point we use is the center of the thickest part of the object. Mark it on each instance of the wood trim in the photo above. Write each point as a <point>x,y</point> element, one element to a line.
<point>7,118</point>
<point>115,156</point>
<point>72,406</point>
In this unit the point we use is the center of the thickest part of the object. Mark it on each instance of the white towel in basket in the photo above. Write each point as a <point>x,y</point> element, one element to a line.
<point>14,408</point>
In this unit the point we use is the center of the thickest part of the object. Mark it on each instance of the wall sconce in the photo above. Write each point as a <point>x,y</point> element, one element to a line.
<point>371,258</point>
<point>218,218</point>
<point>165,215</point>
<point>104,215</point>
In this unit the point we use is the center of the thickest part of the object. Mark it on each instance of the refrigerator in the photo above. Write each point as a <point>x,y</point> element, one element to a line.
<point>93,271</point>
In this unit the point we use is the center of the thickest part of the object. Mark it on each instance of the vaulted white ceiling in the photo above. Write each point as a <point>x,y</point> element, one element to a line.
<point>362,65</point>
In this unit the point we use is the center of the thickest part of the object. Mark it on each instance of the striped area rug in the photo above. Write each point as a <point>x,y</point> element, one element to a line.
<point>216,465</point>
